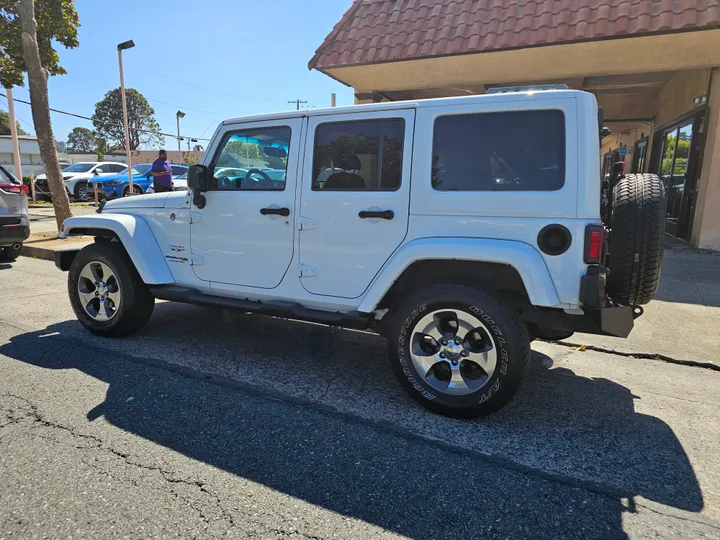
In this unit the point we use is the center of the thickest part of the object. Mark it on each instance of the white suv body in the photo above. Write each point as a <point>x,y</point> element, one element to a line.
<point>378,203</point>
<point>76,177</point>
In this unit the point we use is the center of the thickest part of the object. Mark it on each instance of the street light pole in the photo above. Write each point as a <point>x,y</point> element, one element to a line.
<point>178,116</point>
<point>120,48</point>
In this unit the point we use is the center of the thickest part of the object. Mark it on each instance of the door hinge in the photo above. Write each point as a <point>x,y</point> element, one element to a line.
<point>307,271</point>
<point>197,260</point>
<point>196,217</point>
<point>306,223</point>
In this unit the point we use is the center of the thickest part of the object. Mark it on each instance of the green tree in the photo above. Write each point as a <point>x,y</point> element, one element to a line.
<point>198,148</point>
<point>189,159</point>
<point>5,125</point>
<point>108,120</point>
<point>81,141</point>
<point>57,22</point>
<point>29,30</point>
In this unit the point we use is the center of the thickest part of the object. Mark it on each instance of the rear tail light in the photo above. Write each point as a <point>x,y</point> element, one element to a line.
<point>594,239</point>
<point>14,188</point>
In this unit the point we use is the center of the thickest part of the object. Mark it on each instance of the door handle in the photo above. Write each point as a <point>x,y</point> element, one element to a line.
<point>284,212</point>
<point>383,214</point>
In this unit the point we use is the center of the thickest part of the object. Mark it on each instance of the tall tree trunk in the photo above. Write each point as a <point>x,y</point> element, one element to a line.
<point>37,77</point>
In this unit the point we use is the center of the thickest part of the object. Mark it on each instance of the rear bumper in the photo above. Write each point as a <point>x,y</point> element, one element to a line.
<point>599,315</point>
<point>13,235</point>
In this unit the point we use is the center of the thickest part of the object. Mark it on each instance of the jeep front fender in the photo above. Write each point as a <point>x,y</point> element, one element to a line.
<point>522,257</point>
<point>136,237</point>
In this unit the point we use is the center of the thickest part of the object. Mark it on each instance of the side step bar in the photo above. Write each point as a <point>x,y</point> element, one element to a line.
<point>287,310</point>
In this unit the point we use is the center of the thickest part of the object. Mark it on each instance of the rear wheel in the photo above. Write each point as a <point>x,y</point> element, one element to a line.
<point>106,292</point>
<point>458,351</point>
<point>636,239</point>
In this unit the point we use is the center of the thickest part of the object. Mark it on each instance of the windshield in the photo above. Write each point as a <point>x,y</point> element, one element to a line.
<point>137,169</point>
<point>79,167</point>
<point>182,177</point>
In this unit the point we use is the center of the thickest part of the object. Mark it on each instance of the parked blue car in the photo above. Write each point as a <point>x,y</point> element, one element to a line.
<point>111,187</point>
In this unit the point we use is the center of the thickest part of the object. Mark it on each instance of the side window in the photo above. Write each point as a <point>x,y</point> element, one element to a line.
<point>178,171</point>
<point>112,168</point>
<point>363,155</point>
<point>503,151</point>
<point>253,159</point>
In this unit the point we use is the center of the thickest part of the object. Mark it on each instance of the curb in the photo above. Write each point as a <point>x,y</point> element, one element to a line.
<point>46,253</point>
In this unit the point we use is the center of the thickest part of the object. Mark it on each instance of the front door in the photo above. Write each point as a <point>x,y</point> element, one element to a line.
<point>355,198</point>
<point>244,235</point>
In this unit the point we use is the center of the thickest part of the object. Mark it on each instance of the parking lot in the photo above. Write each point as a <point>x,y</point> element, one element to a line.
<point>216,423</point>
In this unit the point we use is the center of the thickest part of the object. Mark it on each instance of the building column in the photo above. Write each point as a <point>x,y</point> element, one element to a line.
<point>706,224</point>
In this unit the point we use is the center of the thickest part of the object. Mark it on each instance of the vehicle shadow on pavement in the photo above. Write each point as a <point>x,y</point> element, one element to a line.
<point>385,474</point>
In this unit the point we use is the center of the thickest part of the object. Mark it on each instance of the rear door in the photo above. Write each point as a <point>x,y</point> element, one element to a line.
<point>355,198</point>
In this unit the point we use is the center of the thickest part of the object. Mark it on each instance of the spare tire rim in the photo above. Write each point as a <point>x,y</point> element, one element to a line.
<point>99,291</point>
<point>454,352</point>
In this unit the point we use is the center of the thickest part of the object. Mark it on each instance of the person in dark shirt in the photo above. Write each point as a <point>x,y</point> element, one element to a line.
<point>161,173</point>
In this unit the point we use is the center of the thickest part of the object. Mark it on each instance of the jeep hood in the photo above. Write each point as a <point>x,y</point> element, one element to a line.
<point>154,200</point>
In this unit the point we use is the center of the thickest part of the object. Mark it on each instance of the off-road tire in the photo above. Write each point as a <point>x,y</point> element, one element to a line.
<point>509,335</point>
<point>78,194</point>
<point>137,302</point>
<point>636,239</point>
<point>9,253</point>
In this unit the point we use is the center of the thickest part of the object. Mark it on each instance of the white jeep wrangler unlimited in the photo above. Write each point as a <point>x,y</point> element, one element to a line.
<point>458,228</point>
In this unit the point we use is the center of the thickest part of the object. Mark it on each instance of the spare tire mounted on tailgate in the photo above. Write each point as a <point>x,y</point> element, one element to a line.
<point>636,238</point>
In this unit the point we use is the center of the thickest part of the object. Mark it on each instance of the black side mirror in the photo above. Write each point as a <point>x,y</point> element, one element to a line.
<point>197,178</point>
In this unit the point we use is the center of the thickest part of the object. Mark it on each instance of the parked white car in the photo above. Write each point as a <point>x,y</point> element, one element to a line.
<point>179,183</point>
<point>458,228</point>
<point>76,178</point>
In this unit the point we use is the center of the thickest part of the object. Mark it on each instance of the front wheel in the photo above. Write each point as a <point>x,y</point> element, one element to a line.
<point>137,190</point>
<point>106,292</point>
<point>81,192</point>
<point>458,351</point>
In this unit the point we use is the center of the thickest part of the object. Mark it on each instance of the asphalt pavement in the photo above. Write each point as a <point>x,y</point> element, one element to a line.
<point>210,423</point>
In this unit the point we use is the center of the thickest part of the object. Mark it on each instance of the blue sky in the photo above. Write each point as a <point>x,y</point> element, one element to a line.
<point>213,60</point>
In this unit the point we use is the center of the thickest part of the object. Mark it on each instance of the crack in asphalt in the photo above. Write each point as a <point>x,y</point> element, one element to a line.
<point>167,476</point>
<point>31,412</point>
<point>643,356</point>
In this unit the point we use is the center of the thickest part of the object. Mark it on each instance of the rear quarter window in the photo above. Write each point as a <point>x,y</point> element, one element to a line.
<point>499,151</point>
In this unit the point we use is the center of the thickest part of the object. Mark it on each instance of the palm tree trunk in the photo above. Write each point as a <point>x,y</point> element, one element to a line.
<point>37,77</point>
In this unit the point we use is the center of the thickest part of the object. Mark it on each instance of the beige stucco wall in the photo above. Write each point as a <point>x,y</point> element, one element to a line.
<point>675,98</point>
<point>706,226</point>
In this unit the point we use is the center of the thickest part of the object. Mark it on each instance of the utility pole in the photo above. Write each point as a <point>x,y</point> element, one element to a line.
<point>332,99</point>
<point>14,135</point>
<point>297,102</point>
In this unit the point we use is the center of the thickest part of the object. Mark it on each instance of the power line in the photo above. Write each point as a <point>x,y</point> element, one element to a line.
<point>104,123</point>
<point>297,102</point>
<point>18,118</point>
<point>155,100</point>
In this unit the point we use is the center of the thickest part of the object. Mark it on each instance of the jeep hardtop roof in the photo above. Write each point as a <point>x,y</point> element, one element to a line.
<point>512,96</point>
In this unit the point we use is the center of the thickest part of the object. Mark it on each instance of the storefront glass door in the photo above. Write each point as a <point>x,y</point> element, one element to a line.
<point>673,170</point>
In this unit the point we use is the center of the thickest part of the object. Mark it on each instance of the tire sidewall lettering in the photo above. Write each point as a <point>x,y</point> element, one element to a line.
<point>403,344</point>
